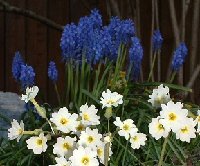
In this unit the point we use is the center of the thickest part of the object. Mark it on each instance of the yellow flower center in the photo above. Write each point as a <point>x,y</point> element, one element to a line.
<point>90,139</point>
<point>126,127</point>
<point>85,160</point>
<point>66,146</point>
<point>39,142</point>
<point>172,117</point>
<point>184,130</point>
<point>99,152</point>
<point>110,101</point>
<point>20,131</point>
<point>160,127</point>
<point>159,99</point>
<point>80,127</point>
<point>135,138</point>
<point>63,121</point>
<point>86,117</point>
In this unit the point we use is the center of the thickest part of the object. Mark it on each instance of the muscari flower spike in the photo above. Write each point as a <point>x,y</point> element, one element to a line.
<point>94,41</point>
<point>70,43</point>
<point>81,39</point>
<point>52,72</point>
<point>27,76</point>
<point>16,66</point>
<point>121,32</point>
<point>157,40</point>
<point>179,56</point>
<point>135,56</point>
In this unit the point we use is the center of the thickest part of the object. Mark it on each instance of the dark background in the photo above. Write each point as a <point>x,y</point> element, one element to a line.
<point>39,42</point>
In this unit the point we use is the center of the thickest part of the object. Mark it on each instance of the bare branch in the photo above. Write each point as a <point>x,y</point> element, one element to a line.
<point>138,18</point>
<point>194,36</point>
<point>30,14</point>
<point>175,30</point>
<point>193,78</point>
<point>156,14</point>
<point>182,34</point>
<point>108,8</point>
<point>115,7</point>
<point>152,29</point>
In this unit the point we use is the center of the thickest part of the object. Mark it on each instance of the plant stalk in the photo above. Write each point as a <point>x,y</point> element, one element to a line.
<point>124,157</point>
<point>57,93</point>
<point>152,67</point>
<point>160,163</point>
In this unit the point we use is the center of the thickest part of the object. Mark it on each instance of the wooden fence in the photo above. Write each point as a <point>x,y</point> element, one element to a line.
<point>39,43</point>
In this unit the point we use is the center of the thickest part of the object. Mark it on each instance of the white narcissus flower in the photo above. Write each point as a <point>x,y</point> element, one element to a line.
<point>197,120</point>
<point>84,157</point>
<point>172,115</point>
<point>90,138</point>
<point>37,143</point>
<point>187,131</point>
<point>65,121</point>
<point>61,161</point>
<point>64,146</point>
<point>126,127</point>
<point>110,99</point>
<point>16,130</point>
<point>31,93</point>
<point>157,130</point>
<point>159,96</point>
<point>138,140</point>
<point>89,115</point>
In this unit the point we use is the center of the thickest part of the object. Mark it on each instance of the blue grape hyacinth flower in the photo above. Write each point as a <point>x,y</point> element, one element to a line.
<point>70,43</point>
<point>16,65</point>
<point>27,77</point>
<point>52,72</point>
<point>135,56</point>
<point>121,32</point>
<point>157,40</point>
<point>76,39</point>
<point>179,56</point>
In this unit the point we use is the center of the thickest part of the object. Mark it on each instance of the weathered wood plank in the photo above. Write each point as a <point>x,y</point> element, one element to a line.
<point>15,41</point>
<point>36,42</point>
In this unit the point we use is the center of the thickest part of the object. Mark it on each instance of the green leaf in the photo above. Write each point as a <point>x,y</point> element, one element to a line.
<point>176,152</point>
<point>90,95</point>
<point>173,86</point>
<point>119,143</point>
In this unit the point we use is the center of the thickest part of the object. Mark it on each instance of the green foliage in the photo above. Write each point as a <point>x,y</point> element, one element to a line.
<point>84,84</point>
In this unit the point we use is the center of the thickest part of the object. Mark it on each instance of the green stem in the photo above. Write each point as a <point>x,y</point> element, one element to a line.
<point>124,157</point>
<point>160,163</point>
<point>29,132</point>
<point>108,125</point>
<point>57,93</point>
<point>152,67</point>
<point>107,146</point>
<point>172,77</point>
<point>68,83</point>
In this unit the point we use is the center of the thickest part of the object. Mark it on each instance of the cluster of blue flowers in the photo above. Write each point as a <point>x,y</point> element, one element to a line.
<point>16,65</point>
<point>52,72</point>
<point>157,40</point>
<point>179,56</point>
<point>135,56</point>
<point>91,39</point>
<point>27,76</point>
<point>22,72</point>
